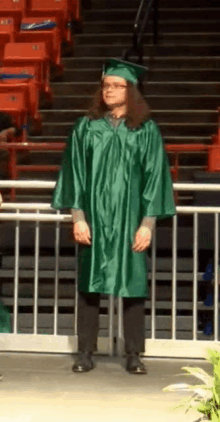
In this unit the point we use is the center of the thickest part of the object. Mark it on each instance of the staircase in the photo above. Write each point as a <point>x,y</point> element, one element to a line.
<point>183,92</point>
<point>182,88</point>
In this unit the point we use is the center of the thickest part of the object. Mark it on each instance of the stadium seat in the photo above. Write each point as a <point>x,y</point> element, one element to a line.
<point>30,54</point>
<point>74,9</point>
<point>14,104</point>
<point>53,8</point>
<point>7,32</point>
<point>14,9</point>
<point>43,30</point>
<point>214,150</point>
<point>23,79</point>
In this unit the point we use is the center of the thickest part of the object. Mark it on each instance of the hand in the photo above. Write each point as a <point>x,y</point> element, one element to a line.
<point>81,232</point>
<point>6,133</point>
<point>142,239</point>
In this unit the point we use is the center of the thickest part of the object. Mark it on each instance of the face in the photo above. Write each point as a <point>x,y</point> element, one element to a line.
<point>114,91</point>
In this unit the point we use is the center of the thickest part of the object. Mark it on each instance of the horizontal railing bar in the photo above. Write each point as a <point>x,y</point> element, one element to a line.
<point>66,218</point>
<point>69,274</point>
<point>37,184</point>
<point>199,209</point>
<point>38,167</point>
<point>24,206</point>
<point>27,184</point>
<point>59,146</point>
<point>34,146</point>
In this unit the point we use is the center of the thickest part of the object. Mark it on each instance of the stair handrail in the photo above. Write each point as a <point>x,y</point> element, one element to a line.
<point>139,29</point>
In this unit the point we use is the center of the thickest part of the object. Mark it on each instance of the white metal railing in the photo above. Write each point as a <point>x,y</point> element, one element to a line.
<point>41,212</point>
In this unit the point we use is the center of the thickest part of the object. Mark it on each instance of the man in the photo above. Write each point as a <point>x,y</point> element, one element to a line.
<point>115,178</point>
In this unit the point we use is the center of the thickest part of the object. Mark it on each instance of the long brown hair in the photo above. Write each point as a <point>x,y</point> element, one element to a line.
<point>138,110</point>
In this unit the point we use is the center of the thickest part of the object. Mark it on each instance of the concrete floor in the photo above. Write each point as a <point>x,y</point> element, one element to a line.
<point>38,388</point>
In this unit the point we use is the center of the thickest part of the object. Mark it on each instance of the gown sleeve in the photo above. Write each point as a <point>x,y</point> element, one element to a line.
<point>157,194</point>
<point>69,191</point>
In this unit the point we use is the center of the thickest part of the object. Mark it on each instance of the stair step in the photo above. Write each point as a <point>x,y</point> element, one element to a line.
<point>194,13</point>
<point>168,139</point>
<point>164,38</point>
<point>178,116</point>
<point>154,74</point>
<point>168,129</point>
<point>47,235</point>
<point>169,25</point>
<point>116,50</point>
<point>46,321</point>
<point>151,87</point>
<point>67,303</point>
<point>67,263</point>
<point>114,4</point>
<point>181,75</point>
<point>207,102</point>
<point>181,62</point>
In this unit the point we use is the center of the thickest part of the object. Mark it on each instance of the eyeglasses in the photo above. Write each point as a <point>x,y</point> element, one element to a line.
<point>105,87</point>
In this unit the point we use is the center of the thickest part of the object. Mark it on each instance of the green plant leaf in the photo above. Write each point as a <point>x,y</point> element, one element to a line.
<point>213,356</point>
<point>201,374</point>
<point>177,387</point>
<point>205,407</point>
<point>215,416</point>
<point>216,372</point>
<point>216,395</point>
<point>206,397</point>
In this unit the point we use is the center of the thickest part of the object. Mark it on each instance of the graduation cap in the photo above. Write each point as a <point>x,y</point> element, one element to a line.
<point>127,70</point>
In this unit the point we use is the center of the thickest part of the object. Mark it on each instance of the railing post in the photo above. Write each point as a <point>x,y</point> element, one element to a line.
<point>12,169</point>
<point>176,175</point>
<point>156,16</point>
<point>216,280</point>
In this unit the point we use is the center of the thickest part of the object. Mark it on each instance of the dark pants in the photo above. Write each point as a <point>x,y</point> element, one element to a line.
<point>88,323</point>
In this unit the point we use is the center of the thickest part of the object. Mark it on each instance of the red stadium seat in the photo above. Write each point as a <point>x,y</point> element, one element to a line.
<point>30,54</point>
<point>7,32</point>
<point>52,38</point>
<point>14,9</point>
<point>74,9</point>
<point>23,79</point>
<point>214,151</point>
<point>14,104</point>
<point>53,8</point>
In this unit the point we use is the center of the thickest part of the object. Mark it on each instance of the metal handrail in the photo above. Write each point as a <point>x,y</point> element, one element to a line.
<point>38,184</point>
<point>139,29</point>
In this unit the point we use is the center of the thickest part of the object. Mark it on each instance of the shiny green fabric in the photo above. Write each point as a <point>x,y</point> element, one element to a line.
<point>117,176</point>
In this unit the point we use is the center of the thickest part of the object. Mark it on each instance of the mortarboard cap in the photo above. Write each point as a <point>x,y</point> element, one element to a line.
<point>127,70</point>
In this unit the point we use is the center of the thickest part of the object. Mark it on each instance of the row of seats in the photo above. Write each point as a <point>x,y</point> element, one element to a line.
<point>64,11</point>
<point>31,36</point>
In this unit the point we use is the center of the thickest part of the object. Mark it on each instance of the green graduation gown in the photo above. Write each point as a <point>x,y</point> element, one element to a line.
<point>116,176</point>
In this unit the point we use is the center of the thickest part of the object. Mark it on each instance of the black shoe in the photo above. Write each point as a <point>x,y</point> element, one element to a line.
<point>84,362</point>
<point>134,365</point>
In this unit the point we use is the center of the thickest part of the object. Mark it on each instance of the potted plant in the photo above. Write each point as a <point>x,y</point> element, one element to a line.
<point>206,397</point>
